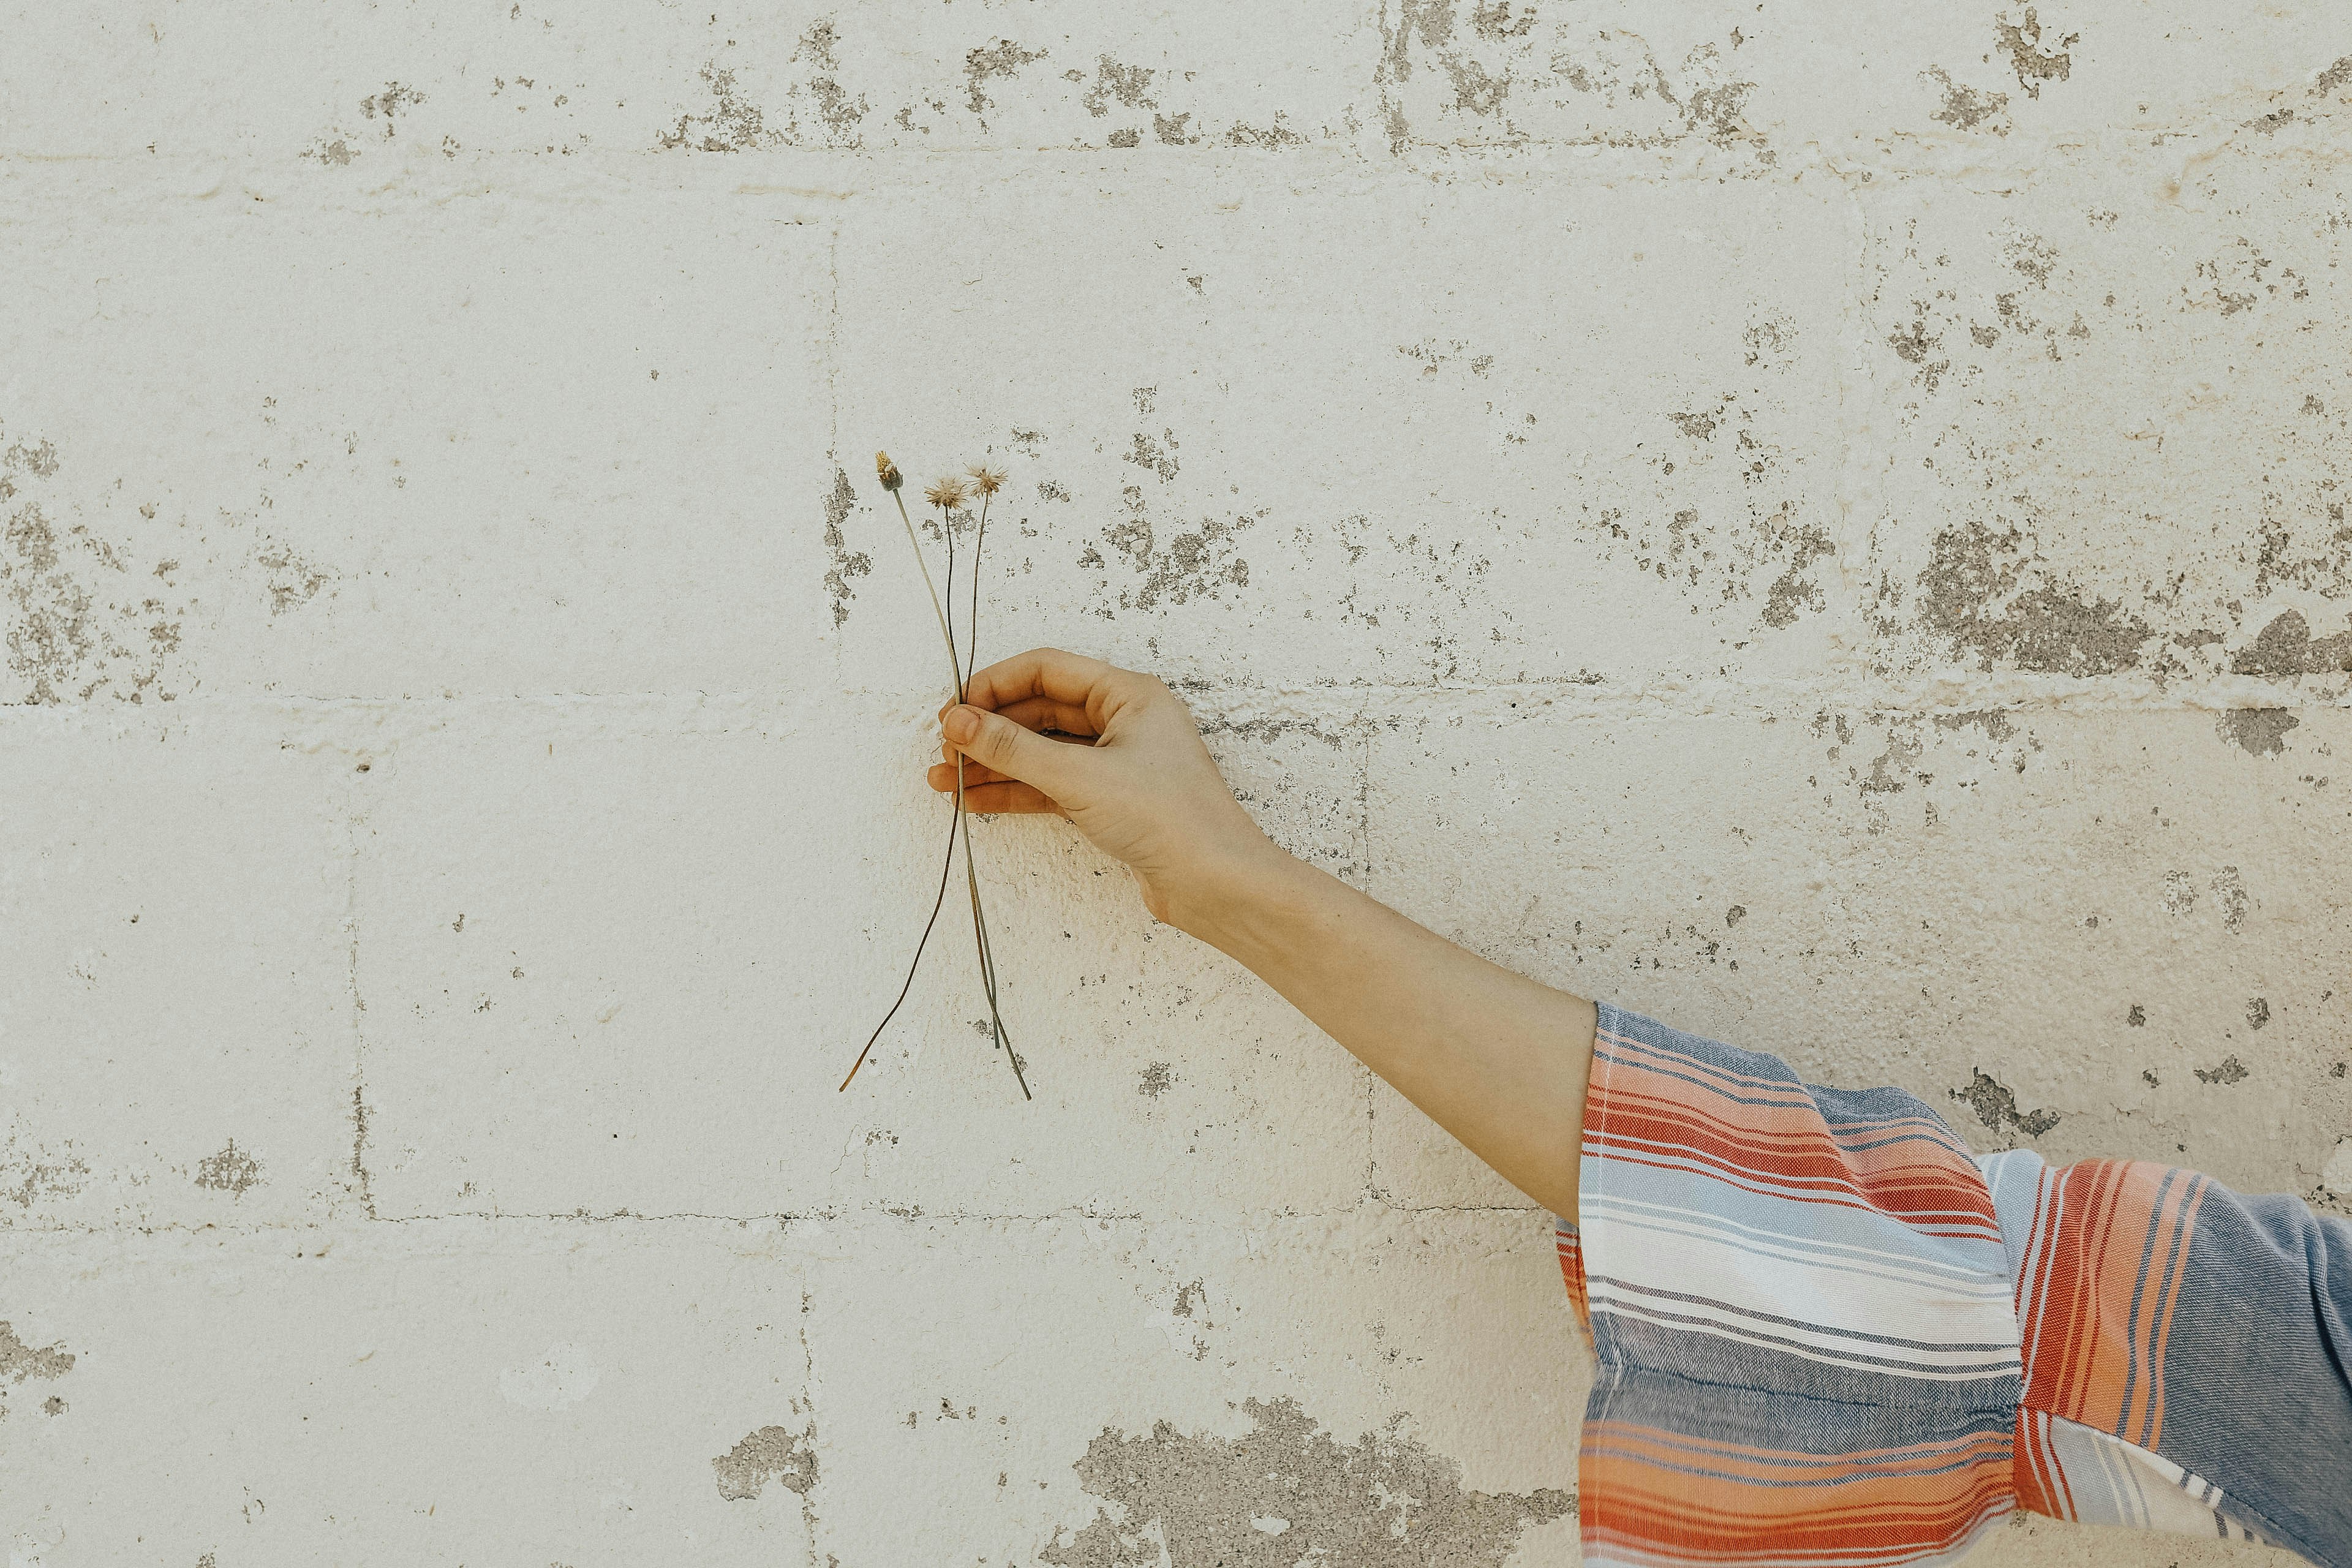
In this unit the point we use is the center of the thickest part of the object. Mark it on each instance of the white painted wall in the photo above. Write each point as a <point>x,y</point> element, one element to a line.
<point>1825,523</point>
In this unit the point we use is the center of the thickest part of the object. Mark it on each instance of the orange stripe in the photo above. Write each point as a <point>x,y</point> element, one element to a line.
<point>2114,1234</point>
<point>2175,1265</point>
<point>1792,1142</point>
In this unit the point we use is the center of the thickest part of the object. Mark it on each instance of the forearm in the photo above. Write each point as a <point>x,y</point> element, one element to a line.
<point>1496,1059</point>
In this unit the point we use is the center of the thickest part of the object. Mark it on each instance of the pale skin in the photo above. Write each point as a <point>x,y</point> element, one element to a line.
<point>1496,1059</point>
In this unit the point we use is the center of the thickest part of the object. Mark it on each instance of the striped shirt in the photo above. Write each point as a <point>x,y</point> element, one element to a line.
<point>1827,1335</point>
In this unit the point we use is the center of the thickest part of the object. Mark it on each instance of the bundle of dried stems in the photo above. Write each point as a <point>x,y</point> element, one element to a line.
<point>950,495</point>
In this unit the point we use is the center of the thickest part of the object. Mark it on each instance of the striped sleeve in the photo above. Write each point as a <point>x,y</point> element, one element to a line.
<point>1825,1333</point>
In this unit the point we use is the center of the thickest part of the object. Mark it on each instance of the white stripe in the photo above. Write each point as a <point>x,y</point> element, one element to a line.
<point>1973,1226</point>
<point>1831,1301</point>
<point>1909,1267</point>
<point>2116,1482</point>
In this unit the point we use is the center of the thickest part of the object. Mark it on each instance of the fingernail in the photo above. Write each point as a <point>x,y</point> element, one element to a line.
<point>961,724</point>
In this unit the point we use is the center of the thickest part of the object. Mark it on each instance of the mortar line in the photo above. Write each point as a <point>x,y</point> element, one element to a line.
<point>360,1177</point>
<point>379,1224</point>
<point>832,342</point>
<point>1711,697</point>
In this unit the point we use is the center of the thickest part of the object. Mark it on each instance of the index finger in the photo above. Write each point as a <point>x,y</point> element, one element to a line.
<point>1071,679</point>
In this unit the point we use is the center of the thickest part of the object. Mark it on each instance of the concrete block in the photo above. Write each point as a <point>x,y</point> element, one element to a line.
<point>444,1394</point>
<point>374,449</point>
<point>1047,1389</point>
<point>616,966</point>
<point>176,1017</point>
<point>1620,463</point>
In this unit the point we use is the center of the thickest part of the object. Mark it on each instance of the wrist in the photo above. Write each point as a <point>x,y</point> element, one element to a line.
<point>1226,897</point>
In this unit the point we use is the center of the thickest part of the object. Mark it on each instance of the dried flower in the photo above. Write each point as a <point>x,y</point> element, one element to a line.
<point>946,494</point>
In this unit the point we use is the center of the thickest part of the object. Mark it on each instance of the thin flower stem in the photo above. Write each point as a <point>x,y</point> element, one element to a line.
<point>937,903</point>
<point>955,673</point>
<point>971,871</point>
<point>958,673</point>
<point>972,642</point>
<point>988,961</point>
<point>947,863</point>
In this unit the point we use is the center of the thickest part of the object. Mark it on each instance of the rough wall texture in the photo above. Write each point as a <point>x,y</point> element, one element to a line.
<point>1826,524</point>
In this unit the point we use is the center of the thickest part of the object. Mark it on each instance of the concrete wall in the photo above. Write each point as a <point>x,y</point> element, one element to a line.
<point>1825,523</point>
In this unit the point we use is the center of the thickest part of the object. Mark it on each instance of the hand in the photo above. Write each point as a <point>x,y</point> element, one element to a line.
<point>1494,1057</point>
<point>1116,753</point>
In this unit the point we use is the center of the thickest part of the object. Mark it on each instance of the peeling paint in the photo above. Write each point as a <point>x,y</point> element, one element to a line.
<point>39,1173</point>
<point>19,1361</point>
<point>771,1453</point>
<point>2229,888</point>
<point>844,562</point>
<point>1996,1107</point>
<point>1129,85</point>
<point>1974,595</point>
<point>1286,1493</point>
<point>2036,58</point>
<point>1003,61</point>
<point>2285,648</point>
<point>1200,562</point>
<point>393,102</point>
<point>732,124</point>
<point>81,621</point>
<point>232,1170</point>
<point>290,581</point>
<point>839,113</point>
<point>2259,732</point>
<point>1794,591</point>
<point>1972,109</point>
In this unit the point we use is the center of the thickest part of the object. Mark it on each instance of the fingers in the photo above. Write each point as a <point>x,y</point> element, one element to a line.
<point>943,771</point>
<point>1006,748</point>
<point>1005,797</point>
<point>1069,679</point>
<point>1042,714</point>
<point>941,776</point>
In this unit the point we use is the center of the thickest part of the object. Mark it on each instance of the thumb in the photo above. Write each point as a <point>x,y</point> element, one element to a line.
<point>995,741</point>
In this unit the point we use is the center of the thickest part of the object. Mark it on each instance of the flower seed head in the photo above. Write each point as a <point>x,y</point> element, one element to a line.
<point>946,493</point>
<point>888,472</point>
<point>985,479</point>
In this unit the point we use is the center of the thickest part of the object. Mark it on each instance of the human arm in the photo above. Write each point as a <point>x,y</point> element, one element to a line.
<point>1823,1329</point>
<point>1496,1059</point>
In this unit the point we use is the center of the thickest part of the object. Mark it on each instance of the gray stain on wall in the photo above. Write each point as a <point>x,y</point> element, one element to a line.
<point>80,621</point>
<point>1005,59</point>
<point>232,1170</point>
<point>732,124</point>
<point>2037,56</point>
<point>2285,646</point>
<point>2232,1071</point>
<point>774,1453</point>
<point>2043,628</point>
<point>1996,1106</point>
<point>19,1361</point>
<point>1287,1492</point>
<point>2260,731</point>
<point>39,1173</point>
<point>1198,562</point>
<point>846,562</point>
